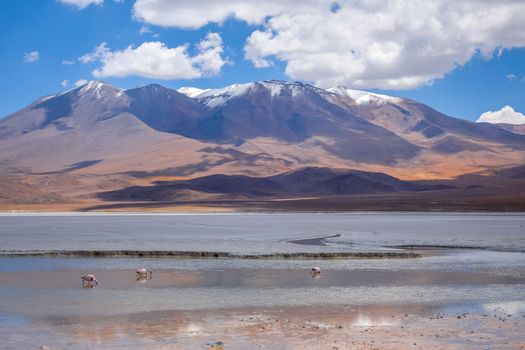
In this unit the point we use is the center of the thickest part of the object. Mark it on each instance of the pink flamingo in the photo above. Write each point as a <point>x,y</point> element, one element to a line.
<point>88,279</point>
<point>144,274</point>
<point>316,270</point>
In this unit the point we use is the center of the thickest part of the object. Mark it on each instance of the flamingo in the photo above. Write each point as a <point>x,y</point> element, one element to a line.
<point>143,273</point>
<point>316,270</point>
<point>89,279</point>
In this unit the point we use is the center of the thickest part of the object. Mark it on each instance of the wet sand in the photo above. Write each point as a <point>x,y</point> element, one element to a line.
<point>492,326</point>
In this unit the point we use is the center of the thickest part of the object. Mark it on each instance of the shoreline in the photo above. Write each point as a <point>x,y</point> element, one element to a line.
<point>205,254</point>
<point>8,213</point>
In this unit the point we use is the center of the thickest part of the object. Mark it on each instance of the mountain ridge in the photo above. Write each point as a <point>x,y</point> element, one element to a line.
<point>309,181</point>
<point>97,137</point>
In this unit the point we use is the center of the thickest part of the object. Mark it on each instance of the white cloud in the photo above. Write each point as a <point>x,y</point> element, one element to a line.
<point>80,4</point>
<point>30,57</point>
<point>64,83</point>
<point>68,62</point>
<point>145,30</point>
<point>80,82</point>
<point>505,115</point>
<point>511,77</point>
<point>197,13</point>
<point>392,44</point>
<point>156,60</point>
<point>100,51</point>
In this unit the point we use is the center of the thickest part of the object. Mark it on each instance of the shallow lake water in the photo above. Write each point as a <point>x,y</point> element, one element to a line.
<point>190,302</point>
<point>259,233</point>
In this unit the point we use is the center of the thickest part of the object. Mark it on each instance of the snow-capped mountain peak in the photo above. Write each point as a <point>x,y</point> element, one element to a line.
<point>218,97</point>
<point>92,85</point>
<point>98,90</point>
<point>364,97</point>
<point>274,86</point>
<point>191,91</point>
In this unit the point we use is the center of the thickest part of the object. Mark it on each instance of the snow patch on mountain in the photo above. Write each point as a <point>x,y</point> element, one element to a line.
<point>98,90</point>
<point>275,87</point>
<point>191,91</point>
<point>218,97</point>
<point>364,97</point>
<point>45,98</point>
<point>93,85</point>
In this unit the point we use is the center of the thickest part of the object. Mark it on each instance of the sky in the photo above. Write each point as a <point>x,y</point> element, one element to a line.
<point>465,58</point>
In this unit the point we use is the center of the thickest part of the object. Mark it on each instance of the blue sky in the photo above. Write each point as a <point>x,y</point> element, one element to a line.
<point>39,39</point>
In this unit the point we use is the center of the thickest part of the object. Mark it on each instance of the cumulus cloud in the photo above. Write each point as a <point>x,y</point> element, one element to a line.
<point>511,77</point>
<point>156,60</point>
<point>394,44</point>
<point>68,62</point>
<point>190,14</point>
<point>505,115</point>
<point>30,57</point>
<point>80,82</point>
<point>80,4</point>
<point>64,83</point>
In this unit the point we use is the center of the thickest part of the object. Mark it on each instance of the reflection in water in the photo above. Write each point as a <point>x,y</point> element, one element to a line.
<point>240,277</point>
<point>192,329</point>
<point>143,278</point>
<point>511,308</point>
<point>369,321</point>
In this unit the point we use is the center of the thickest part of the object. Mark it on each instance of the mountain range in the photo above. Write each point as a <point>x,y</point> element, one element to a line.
<point>98,144</point>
